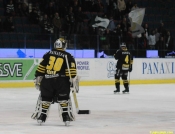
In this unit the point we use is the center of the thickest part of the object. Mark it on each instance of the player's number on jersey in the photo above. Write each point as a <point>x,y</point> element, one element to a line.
<point>55,63</point>
<point>127,59</point>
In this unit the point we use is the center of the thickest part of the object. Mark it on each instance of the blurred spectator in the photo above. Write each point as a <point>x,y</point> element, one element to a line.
<point>129,6</point>
<point>92,30</point>
<point>50,10</point>
<point>144,42</point>
<point>137,41</point>
<point>161,47</point>
<point>114,39</point>
<point>87,5</point>
<point>97,6</point>
<point>134,7</point>
<point>57,25</point>
<point>22,10</point>
<point>63,10</point>
<point>111,25</point>
<point>152,40</point>
<point>169,41</point>
<point>143,45</point>
<point>157,36</point>
<point>45,24</point>
<point>42,5</point>
<point>79,21</point>
<point>118,31</point>
<point>162,30</point>
<point>34,17</point>
<point>124,26</point>
<point>129,40</point>
<point>1,25</point>
<point>113,9</point>
<point>8,24</point>
<point>10,10</point>
<point>121,7</point>
<point>25,10</point>
<point>70,18</point>
<point>19,11</point>
<point>146,29</point>
<point>75,7</point>
<point>35,2</point>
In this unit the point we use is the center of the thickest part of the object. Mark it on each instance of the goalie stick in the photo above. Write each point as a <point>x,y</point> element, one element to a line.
<point>74,93</point>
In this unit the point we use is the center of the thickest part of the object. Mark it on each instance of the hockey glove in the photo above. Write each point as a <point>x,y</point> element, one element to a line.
<point>37,82</point>
<point>130,69</point>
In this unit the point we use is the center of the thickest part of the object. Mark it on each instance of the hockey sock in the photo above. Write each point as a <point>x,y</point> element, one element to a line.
<point>125,83</point>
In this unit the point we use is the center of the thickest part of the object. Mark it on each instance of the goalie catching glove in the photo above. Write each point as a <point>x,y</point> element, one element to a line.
<point>37,82</point>
<point>75,83</point>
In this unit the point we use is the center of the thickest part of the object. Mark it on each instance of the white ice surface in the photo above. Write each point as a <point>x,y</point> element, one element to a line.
<point>147,108</point>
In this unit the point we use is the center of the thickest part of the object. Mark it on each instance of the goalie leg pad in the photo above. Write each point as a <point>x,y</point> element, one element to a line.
<point>43,111</point>
<point>65,110</point>
<point>35,114</point>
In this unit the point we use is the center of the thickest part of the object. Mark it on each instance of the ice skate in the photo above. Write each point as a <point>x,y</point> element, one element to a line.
<point>117,91</point>
<point>42,118</point>
<point>126,91</point>
<point>67,123</point>
<point>66,111</point>
<point>66,119</point>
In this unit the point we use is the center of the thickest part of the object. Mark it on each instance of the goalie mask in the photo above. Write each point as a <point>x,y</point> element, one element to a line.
<point>60,43</point>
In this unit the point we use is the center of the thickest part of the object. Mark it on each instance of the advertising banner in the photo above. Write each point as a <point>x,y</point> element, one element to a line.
<point>18,69</point>
<point>93,71</point>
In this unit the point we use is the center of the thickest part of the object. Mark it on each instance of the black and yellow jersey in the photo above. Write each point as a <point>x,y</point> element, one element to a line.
<point>125,59</point>
<point>54,64</point>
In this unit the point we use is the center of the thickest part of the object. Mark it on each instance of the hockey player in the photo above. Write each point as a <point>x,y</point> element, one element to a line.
<point>124,64</point>
<point>53,80</point>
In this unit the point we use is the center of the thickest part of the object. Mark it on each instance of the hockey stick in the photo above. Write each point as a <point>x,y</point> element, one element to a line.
<point>129,81</point>
<point>74,93</point>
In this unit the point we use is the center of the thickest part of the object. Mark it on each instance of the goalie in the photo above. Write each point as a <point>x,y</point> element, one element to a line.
<point>53,80</point>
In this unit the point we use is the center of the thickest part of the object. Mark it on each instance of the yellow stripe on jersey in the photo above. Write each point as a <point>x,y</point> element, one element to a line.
<point>41,71</point>
<point>71,75</point>
<point>70,69</point>
<point>72,72</point>
<point>41,68</point>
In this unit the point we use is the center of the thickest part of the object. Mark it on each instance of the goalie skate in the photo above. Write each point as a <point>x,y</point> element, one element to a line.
<point>42,118</point>
<point>67,123</point>
<point>66,111</point>
<point>43,112</point>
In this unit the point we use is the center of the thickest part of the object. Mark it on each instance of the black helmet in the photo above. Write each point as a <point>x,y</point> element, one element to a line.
<point>122,44</point>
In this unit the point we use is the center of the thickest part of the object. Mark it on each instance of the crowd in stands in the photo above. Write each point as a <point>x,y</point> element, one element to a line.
<point>69,17</point>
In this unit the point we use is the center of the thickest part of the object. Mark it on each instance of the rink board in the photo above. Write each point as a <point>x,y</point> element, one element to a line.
<point>20,72</point>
